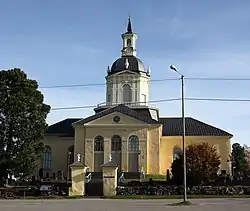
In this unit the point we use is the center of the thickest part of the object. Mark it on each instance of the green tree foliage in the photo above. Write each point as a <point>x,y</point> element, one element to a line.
<point>239,160</point>
<point>247,153</point>
<point>202,162</point>
<point>22,124</point>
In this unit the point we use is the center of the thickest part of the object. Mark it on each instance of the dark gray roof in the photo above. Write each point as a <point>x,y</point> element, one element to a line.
<point>145,111</point>
<point>63,127</point>
<point>172,126</point>
<point>135,65</point>
<point>122,109</point>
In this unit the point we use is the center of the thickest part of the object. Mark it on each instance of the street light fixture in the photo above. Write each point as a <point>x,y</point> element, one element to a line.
<point>172,67</point>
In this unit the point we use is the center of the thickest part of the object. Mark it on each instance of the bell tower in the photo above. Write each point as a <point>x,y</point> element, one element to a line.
<point>127,79</point>
<point>129,41</point>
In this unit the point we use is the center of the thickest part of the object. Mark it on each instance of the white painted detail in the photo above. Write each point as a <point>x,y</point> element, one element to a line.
<point>139,88</point>
<point>153,114</point>
<point>78,157</point>
<point>126,63</point>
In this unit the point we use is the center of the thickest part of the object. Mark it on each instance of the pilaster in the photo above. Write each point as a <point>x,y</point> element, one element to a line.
<point>143,156</point>
<point>107,149</point>
<point>124,155</point>
<point>89,154</point>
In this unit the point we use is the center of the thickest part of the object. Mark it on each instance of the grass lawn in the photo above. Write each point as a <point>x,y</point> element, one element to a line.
<point>136,197</point>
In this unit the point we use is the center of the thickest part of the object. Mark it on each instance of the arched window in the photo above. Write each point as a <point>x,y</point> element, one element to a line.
<point>176,152</point>
<point>127,94</point>
<point>133,144</point>
<point>71,155</point>
<point>129,42</point>
<point>47,158</point>
<point>116,143</point>
<point>99,144</point>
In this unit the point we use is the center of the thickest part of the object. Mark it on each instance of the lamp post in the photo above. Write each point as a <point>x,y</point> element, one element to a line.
<point>172,67</point>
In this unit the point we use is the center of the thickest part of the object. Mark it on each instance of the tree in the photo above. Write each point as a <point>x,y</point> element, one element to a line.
<point>22,124</point>
<point>247,153</point>
<point>202,163</point>
<point>239,162</point>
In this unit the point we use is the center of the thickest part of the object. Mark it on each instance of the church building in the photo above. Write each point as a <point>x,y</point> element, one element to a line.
<point>127,127</point>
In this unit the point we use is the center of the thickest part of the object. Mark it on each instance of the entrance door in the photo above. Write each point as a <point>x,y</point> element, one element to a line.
<point>133,154</point>
<point>99,155</point>
<point>116,150</point>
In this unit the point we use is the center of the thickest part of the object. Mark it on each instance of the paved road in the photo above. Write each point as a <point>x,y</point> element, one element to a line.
<point>123,205</point>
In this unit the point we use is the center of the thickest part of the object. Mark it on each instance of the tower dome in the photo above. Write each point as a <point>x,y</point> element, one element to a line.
<point>130,63</point>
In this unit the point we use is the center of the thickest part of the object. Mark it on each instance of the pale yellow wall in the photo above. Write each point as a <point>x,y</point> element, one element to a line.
<point>156,151</point>
<point>153,145</point>
<point>80,134</point>
<point>107,133</point>
<point>223,145</point>
<point>107,128</point>
<point>59,147</point>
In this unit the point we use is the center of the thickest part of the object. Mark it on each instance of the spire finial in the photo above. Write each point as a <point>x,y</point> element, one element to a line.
<point>129,28</point>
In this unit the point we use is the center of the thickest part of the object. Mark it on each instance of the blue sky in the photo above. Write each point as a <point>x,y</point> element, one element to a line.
<point>60,42</point>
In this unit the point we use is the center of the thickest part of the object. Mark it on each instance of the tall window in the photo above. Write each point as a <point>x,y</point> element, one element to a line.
<point>71,155</point>
<point>99,144</point>
<point>176,152</point>
<point>127,94</point>
<point>129,42</point>
<point>109,97</point>
<point>116,143</point>
<point>133,144</point>
<point>47,158</point>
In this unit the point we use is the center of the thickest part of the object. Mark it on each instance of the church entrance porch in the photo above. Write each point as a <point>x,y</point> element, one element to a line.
<point>124,150</point>
<point>127,140</point>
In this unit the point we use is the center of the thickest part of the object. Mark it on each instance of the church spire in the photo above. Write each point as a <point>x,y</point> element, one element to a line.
<point>129,41</point>
<point>129,27</point>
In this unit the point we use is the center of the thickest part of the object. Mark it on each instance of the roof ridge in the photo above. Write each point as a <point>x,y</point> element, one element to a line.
<point>124,109</point>
<point>60,121</point>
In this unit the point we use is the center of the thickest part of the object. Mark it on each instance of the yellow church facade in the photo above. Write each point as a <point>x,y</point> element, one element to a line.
<point>126,127</point>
